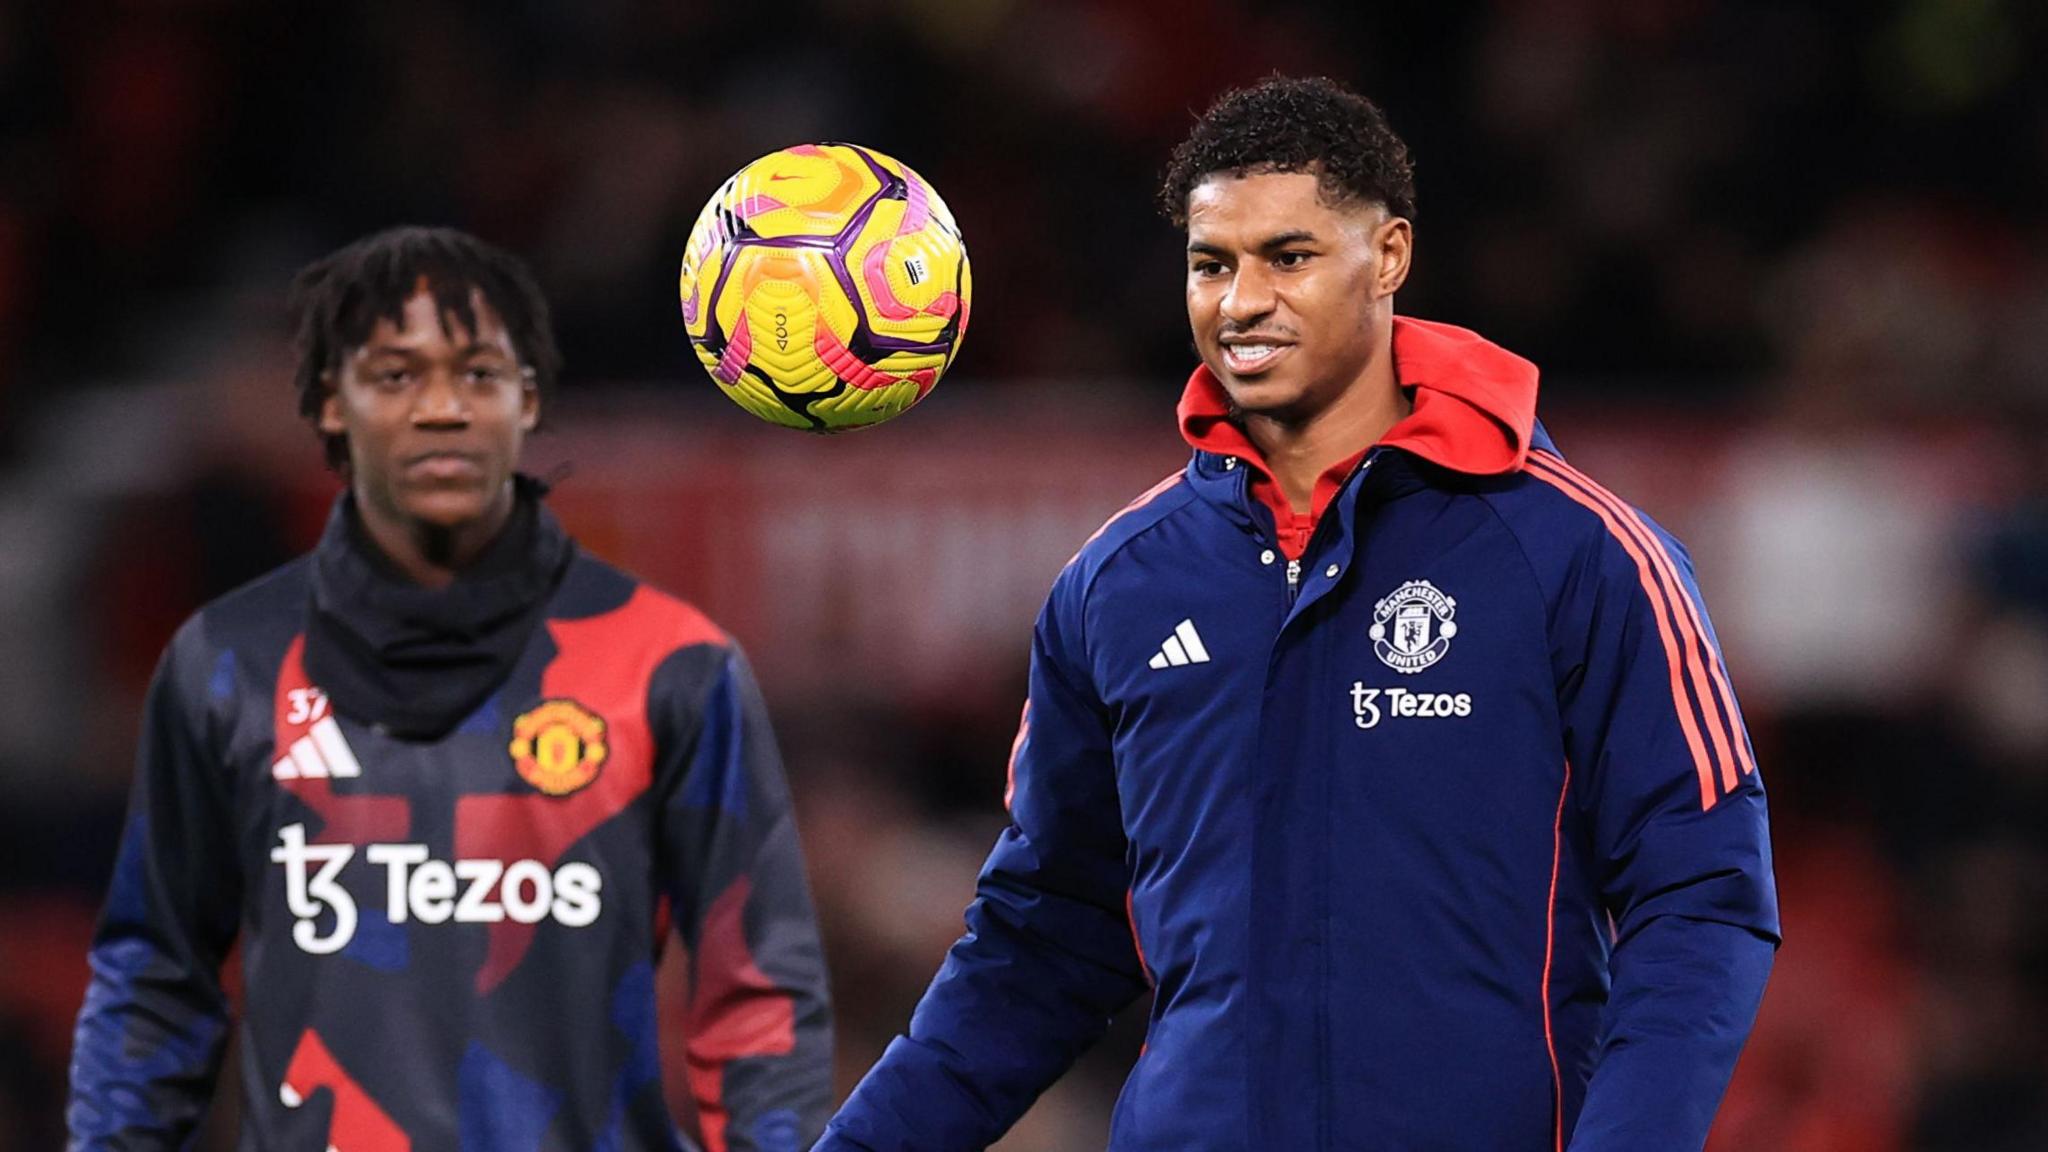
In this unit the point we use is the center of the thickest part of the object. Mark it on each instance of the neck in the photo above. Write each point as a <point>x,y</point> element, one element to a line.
<point>428,554</point>
<point>1300,449</point>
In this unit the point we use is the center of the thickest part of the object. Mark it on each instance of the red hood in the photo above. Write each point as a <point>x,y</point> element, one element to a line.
<point>1475,402</point>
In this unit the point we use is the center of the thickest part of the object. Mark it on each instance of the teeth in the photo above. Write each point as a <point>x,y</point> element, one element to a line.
<point>1249,353</point>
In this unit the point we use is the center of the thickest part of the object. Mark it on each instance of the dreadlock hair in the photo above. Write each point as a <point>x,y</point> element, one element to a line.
<point>1295,124</point>
<point>336,300</point>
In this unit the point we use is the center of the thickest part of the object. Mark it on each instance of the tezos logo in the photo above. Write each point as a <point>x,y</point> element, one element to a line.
<point>420,888</point>
<point>1367,708</point>
<point>1412,627</point>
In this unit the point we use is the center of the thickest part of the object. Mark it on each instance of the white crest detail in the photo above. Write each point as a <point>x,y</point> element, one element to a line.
<point>1412,627</point>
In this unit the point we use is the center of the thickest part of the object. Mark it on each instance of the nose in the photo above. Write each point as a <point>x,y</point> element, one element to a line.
<point>440,402</point>
<point>1250,296</point>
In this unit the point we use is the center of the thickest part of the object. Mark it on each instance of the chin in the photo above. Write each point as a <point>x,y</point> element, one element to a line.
<point>1262,395</point>
<point>445,508</point>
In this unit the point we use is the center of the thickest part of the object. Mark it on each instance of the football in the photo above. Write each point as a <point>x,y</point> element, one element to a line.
<point>825,287</point>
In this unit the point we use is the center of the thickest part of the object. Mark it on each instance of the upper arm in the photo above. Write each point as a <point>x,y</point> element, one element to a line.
<point>1066,825</point>
<point>151,1028</point>
<point>721,794</point>
<point>179,872</point>
<point>1665,772</point>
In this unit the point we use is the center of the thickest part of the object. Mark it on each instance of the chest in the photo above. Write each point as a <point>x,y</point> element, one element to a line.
<point>1410,653</point>
<point>536,808</point>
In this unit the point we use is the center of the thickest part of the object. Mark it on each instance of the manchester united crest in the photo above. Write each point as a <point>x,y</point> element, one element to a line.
<point>558,746</point>
<point>1412,627</point>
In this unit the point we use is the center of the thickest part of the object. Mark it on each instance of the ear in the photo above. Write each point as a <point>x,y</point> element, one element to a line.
<point>331,422</point>
<point>529,406</point>
<point>1393,242</point>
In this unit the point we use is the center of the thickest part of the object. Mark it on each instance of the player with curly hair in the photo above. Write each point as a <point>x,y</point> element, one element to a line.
<point>1395,754</point>
<point>446,782</point>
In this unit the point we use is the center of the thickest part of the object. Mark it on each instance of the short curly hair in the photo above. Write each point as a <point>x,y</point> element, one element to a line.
<point>336,301</point>
<point>1295,124</point>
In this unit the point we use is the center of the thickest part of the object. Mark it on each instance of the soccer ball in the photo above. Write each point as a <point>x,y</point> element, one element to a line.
<point>825,287</point>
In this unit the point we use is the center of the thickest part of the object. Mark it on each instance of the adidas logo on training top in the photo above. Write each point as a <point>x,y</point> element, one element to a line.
<point>1183,647</point>
<point>320,752</point>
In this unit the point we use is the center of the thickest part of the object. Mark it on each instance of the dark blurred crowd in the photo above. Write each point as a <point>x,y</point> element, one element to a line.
<point>1785,266</point>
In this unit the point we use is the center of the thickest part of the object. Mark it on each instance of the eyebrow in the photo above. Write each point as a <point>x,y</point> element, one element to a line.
<point>1269,244</point>
<point>413,351</point>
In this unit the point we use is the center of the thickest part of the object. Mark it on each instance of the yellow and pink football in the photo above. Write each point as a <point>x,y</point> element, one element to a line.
<point>826,287</point>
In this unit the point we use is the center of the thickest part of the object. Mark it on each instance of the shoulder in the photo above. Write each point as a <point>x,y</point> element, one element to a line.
<point>259,620</point>
<point>616,632</point>
<point>272,603</point>
<point>611,627</point>
<point>1569,523</point>
<point>239,636</point>
<point>1131,522</point>
<point>606,606</point>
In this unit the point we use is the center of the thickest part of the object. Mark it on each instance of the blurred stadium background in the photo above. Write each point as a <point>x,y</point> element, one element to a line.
<point>1785,266</point>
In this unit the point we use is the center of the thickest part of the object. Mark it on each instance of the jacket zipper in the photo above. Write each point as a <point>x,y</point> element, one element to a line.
<point>1293,566</point>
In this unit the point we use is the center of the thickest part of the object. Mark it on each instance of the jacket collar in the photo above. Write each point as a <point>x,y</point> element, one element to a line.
<point>415,661</point>
<point>1474,414</point>
<point>1474,403</point>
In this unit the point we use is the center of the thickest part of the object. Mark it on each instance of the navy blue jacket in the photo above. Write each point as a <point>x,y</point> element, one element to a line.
<point>1447,836</point>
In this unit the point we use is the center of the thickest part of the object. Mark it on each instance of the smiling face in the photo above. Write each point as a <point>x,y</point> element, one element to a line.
<point>434,416</point>
<point>1290,295</point>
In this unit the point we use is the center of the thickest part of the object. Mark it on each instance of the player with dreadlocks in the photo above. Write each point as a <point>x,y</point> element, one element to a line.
<point>1393,752</point>
<point>448,779</point>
